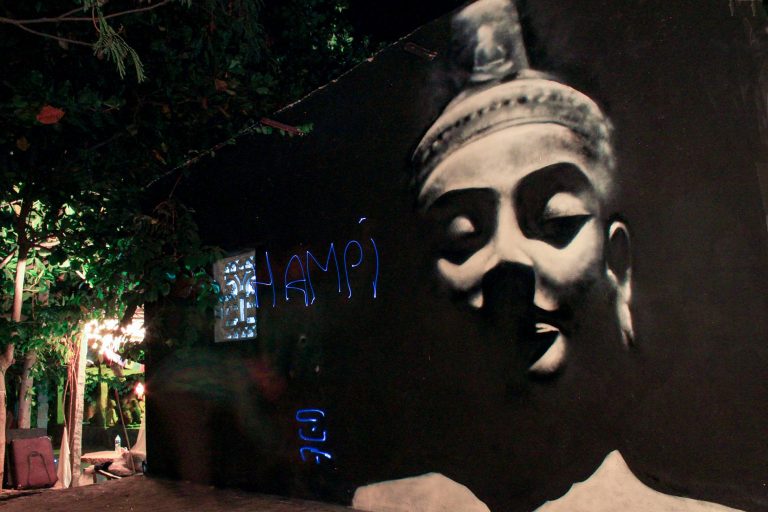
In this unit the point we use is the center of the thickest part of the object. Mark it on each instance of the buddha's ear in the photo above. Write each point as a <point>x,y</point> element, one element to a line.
<point>618,261</point>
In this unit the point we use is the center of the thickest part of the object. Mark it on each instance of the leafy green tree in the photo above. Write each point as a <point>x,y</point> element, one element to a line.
<point>101,99</point>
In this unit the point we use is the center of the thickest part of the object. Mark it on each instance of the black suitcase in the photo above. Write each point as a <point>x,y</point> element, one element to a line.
<point>31,463</point>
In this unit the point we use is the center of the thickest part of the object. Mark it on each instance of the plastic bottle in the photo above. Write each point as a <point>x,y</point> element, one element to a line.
<point>117,443</point>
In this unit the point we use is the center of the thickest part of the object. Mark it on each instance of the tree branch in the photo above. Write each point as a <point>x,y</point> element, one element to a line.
<point>8,258</point>
<point>10,204</point>
<point>48,244</point>
<point>128,315</point>
<point>51,36</point>
<point>6,360</point>
<point>21,225</point>
<point>73,11</point>
<point>138,9</point>
<point>67,15</point>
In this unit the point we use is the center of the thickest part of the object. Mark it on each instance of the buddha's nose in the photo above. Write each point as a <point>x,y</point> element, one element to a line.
<point>508,290</point>
<point>509,244</point>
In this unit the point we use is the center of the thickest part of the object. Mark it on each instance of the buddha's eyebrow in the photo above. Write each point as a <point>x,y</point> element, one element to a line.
<point>542,184</point>
<point>560,176</point>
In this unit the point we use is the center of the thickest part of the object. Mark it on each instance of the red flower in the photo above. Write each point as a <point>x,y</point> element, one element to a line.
<point>49,115</point>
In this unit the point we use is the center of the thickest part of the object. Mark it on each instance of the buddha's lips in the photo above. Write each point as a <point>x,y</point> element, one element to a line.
<point>550,349</point>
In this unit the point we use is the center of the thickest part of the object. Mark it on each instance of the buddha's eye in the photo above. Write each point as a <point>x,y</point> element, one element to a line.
<point>461,227</point>
<point>563,217</point>
<point>564,204</point>
<point>554,203</point>
<point>561,230</point>
<point>462,222</point>
<point>463,236</point>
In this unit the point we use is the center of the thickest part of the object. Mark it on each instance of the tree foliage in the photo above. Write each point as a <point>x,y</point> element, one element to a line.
<point>100,98</point>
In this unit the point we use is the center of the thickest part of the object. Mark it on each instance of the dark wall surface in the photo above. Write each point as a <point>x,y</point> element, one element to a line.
<point>409,380</point>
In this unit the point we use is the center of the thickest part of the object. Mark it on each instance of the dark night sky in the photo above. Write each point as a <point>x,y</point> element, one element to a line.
<point>393,19</point>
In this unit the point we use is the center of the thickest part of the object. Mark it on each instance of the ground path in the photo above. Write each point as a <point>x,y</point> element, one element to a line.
<point>139,493</point>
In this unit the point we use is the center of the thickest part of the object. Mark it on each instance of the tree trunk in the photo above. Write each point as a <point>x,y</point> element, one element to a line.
<point>25,390</point>
<point>18,292</point>
<point>76,419</point>
<point>101,400</point>
<point>42,406</point>
<point>6,359</point>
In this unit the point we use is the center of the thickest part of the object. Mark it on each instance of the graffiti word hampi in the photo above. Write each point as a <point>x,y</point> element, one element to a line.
<point>242,278</point>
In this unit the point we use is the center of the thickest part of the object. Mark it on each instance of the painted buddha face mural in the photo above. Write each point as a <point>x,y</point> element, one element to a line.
<point>517,176</point>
